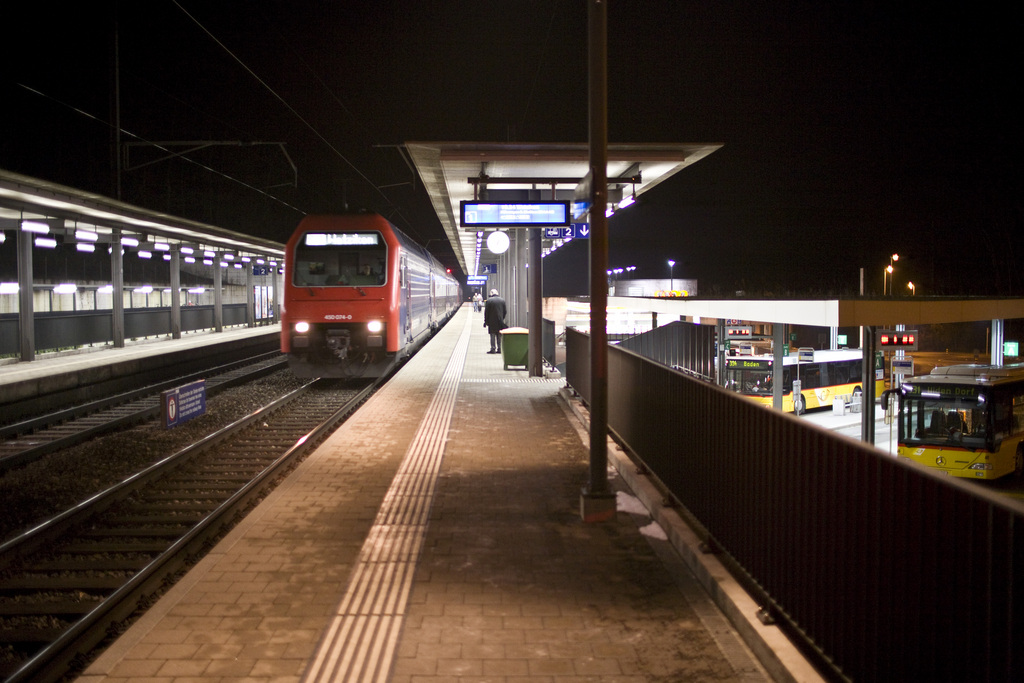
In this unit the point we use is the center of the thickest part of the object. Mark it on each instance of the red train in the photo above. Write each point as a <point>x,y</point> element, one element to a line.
<point>359,295</point>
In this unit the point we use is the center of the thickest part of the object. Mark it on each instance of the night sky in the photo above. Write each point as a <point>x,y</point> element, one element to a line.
<point>851,130</point>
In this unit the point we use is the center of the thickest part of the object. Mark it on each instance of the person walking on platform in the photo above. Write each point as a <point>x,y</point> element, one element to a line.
<point>477,301</point>
<point>494,319</point>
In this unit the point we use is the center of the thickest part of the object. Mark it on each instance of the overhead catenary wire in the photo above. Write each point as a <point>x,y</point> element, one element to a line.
<point>296,113</point>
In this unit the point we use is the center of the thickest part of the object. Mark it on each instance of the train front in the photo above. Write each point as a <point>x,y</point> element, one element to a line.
<point>340,314</point>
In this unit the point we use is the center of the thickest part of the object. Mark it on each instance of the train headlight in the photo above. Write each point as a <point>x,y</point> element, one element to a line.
<point>302,328</point>
<point>374,326</point>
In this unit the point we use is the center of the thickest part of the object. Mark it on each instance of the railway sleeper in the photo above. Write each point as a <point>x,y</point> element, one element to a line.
<point>189,494</point>
<point>187,518</point>
<point>91,562</point>
<point>172,508</point>
<point>215,480</point>
<point>67,608</point>
<point>116,533</point>
<point>28,635</point>
<point>96,547</point>
<point>49,582</point>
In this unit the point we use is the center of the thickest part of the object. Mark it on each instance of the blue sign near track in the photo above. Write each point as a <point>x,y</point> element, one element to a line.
<point>183,403</point>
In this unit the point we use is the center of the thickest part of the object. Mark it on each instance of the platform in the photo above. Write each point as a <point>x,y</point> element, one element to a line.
<point>81,368</point>
<point>436,536</point>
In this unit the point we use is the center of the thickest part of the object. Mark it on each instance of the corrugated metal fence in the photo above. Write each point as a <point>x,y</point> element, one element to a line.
<point>680,345</point>
<point>889,572</point>
<point>72,329</point>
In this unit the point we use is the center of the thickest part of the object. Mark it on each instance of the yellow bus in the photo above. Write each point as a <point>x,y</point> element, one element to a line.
<point>964,420</point>
<point>832,374</point>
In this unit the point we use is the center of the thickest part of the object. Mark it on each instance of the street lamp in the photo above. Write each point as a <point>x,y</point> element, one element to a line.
<point>913,290</point>
<point>887,274</point>
<point>892,259</point>
<point>671,281</point>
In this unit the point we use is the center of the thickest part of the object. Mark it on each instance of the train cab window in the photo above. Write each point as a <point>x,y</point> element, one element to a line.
<point>356,259</point>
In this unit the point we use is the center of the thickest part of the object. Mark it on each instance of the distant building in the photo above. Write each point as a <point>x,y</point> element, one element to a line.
<point>678,287</point>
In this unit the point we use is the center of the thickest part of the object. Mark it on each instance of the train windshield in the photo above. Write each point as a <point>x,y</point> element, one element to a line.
<point>340,259</point>
<point>939,416</point>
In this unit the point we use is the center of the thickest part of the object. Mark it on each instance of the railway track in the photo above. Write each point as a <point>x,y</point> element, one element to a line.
<point>29,440</point>
<point>72,580</point>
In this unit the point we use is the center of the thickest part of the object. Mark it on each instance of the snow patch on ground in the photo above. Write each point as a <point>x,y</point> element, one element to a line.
<point>625,502</point>
<point>654,530</point>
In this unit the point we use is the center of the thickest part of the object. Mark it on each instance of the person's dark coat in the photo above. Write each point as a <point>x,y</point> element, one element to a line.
<point>494,314</point>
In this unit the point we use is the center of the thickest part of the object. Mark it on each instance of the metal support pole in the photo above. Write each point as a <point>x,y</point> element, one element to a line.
<point>867,408</point>
<point>175,293</point>
<point>536,351</point>
<point>26,304</point>
<point>117,293</point>
<point>998,333</point>
<point>519,318</point>
<point>778,347</point>
<point>218,296</point>
<point>250,297</point>
<point>896,380</point>
<point>597,502</point>
<point>720,336</point>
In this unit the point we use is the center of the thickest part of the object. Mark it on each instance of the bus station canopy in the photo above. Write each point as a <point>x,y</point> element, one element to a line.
<point>851,312</point>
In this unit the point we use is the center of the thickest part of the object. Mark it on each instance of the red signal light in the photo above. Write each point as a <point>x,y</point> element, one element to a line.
<point>903,340</point>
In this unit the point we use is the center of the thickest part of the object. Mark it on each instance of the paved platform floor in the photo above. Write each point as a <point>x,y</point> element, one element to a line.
<point>436,536</point>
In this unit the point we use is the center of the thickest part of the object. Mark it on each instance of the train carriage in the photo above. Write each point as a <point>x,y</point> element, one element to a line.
<point>359,295</point>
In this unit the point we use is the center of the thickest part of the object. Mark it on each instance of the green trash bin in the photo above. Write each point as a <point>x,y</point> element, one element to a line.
<point>515,346</point>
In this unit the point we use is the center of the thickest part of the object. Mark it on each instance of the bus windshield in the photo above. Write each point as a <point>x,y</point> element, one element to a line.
<point>348,259</point>
<point>749,376</point>
<point>928,418</point>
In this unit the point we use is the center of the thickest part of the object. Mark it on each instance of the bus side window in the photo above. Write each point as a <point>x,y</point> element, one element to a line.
<point>1018,415</point>
<point>839,373</point>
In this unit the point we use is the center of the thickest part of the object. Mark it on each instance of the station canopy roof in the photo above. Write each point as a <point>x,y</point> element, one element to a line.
<point>65,210</point>
<point>456,171</point>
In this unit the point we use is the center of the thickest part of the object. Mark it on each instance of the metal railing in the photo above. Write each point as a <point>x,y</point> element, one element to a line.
<point>886,571</point>
<point>547,341</point>
<point>680,345</point>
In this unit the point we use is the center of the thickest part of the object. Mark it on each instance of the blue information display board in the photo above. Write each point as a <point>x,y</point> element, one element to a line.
<point>514,214</point>
<point>183,403</point>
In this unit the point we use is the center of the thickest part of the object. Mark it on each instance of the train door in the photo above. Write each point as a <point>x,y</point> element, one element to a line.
<point>406,284</point>
<point>433,300</point>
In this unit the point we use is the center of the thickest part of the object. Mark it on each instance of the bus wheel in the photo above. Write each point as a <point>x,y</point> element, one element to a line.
<point>1018,462</point>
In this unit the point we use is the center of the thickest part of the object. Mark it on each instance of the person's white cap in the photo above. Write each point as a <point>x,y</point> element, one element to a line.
<point>494,292</point>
